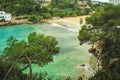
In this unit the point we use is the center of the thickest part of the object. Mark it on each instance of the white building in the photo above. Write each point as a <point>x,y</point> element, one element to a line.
<point>116,2</point>
<point>4,15</point>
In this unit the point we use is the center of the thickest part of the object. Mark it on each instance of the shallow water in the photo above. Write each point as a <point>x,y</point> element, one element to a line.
<point>71,55</point>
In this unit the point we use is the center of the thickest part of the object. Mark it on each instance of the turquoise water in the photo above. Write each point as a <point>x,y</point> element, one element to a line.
<point>18,31</point>
<point>71,55</point>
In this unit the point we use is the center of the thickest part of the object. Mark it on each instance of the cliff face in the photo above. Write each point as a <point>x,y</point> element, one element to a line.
<point>96,49</point>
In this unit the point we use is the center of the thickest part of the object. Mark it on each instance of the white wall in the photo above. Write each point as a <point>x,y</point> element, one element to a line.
<point>5,16</point>
<point>116,2</point>
<point>8,17</point>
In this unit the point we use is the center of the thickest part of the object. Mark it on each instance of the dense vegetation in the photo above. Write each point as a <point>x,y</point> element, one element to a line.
<point>41,9</point>
<point>39,49</point>
<point>19,7</point>
<point>104,25</point>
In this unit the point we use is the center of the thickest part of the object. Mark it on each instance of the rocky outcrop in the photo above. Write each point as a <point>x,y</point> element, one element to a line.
<point>96,51</point>
<point>97,48</point>
<point>14,23</point>
<point>16,20</point>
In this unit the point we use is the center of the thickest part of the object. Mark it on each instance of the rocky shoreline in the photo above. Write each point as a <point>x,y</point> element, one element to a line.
<point>9,23</point>
<point>14,23</point>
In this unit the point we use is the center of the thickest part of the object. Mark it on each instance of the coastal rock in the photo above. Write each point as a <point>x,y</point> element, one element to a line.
<point>96,51</point>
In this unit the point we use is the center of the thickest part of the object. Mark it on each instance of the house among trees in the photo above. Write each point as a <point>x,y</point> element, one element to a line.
<point>116,2</point>
<point>83,4</point>
<point>95,2</point>
<point>5,16</point>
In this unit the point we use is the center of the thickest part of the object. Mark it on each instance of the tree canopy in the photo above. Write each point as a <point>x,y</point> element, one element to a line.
<point>39,49</point>
<point>61,8</point>
<point>103,25</point>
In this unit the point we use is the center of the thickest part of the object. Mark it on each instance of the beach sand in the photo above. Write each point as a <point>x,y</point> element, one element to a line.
<point>71,22</point>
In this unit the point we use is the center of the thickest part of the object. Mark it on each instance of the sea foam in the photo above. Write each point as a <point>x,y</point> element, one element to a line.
<point>61,26</point>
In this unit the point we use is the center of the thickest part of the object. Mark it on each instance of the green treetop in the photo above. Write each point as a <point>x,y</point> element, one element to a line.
<point>103,25</point>
<point>39,49</point>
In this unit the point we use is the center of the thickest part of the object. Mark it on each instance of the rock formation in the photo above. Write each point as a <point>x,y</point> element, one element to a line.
<point>96,51</point>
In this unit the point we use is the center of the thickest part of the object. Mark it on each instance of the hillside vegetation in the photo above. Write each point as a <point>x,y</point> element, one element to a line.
<point>103,32</point>
<point>37,10</point>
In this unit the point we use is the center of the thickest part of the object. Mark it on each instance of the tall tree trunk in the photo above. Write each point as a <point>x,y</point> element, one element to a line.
<point>30,66</point>
<point>10,69</point>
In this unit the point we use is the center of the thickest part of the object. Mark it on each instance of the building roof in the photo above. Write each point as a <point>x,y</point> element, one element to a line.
<point>118,27</point>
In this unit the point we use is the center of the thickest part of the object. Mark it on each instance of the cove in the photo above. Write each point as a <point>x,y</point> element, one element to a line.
<point>67,62</point>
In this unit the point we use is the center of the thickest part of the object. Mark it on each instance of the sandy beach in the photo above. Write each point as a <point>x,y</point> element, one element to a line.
<point>72,22</point>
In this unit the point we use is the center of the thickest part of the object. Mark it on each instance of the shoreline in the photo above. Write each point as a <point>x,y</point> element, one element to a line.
<point>9,24</point>
<point>72,22</point>
<point>69,21</point>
